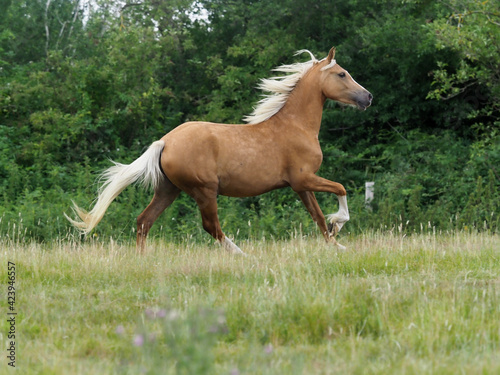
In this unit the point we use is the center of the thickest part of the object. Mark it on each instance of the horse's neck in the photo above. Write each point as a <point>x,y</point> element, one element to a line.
<point>304,107</point>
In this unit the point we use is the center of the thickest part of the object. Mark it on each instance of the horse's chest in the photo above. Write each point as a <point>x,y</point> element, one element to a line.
<point>315,160</point>
<point>307,156</point>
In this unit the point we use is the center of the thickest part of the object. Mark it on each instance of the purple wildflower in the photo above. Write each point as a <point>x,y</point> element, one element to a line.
<point>138,340</point>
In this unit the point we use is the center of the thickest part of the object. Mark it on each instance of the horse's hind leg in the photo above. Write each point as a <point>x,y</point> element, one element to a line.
<point>207,203</point>
<point>165,194</point>
<point>310,202</point>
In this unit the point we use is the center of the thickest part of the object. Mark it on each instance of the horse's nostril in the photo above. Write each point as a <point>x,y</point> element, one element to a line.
<point>370,96</point>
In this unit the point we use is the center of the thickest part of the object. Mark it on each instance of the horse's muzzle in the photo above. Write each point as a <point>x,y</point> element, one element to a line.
<point>363,100</point>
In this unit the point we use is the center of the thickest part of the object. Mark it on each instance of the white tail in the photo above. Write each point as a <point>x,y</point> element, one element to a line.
<point>145,169</point>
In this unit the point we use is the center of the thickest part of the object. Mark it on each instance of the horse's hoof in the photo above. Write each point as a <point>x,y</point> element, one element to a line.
<point>341,247</point>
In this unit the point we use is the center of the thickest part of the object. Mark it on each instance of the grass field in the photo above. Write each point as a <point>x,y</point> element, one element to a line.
<point>421,304</point>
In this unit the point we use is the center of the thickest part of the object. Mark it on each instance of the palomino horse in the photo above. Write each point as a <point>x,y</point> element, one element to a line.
<point>277,147</point>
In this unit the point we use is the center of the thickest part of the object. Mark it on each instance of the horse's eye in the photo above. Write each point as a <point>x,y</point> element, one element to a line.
<point>342,75</point>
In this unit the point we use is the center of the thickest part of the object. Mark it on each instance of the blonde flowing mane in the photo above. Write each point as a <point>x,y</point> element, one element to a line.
<point>279,88</point>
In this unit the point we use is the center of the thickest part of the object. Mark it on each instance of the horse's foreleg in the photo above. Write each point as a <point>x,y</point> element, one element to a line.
<point>165,194</point>
<point>312,206</point>
<point>337,220</point>
<point>318,184</point>
<point>207,203</point>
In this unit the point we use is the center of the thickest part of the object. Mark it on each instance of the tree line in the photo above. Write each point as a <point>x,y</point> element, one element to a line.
<point>82,82</point>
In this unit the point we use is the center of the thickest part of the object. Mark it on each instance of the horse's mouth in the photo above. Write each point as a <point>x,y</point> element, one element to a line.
<point>364,101</point>
<point>362,106</point>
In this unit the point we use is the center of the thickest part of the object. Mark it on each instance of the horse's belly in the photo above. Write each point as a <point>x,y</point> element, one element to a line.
<point>240,177</point>
<point>248,189</point>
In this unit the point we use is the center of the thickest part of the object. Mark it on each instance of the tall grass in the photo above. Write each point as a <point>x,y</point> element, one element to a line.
<point>424,303</point>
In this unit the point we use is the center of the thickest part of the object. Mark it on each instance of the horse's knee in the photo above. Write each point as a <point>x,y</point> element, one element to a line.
<point>342,192</point>
<point>317,184</point>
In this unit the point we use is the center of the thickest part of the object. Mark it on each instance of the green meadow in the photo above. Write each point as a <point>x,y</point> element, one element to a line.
<point>389,304</point>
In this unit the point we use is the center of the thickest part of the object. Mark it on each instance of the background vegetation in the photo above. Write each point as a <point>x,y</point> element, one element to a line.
<point>82,82</point>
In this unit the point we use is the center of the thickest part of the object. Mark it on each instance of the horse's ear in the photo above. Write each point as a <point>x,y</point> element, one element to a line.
<point>331,55</point>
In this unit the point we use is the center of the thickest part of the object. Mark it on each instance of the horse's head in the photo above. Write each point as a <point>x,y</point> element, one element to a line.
<point>337,84</point>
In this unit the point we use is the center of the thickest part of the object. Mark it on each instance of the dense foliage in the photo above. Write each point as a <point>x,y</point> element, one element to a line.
<point>83,82</point>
